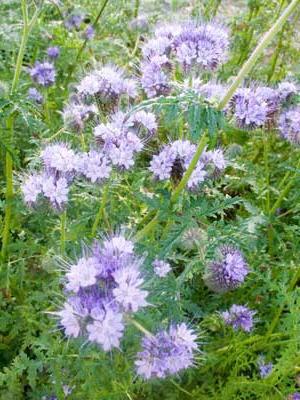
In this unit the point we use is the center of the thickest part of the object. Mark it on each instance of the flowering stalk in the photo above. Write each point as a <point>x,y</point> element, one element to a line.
<point>86,40</point>
<point>249,64</point>
<point>9,194</point>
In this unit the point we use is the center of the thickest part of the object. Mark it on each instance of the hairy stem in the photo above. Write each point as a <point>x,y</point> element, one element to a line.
<point>138,326</point>
<point>9,193</point>
<point>265,41</point>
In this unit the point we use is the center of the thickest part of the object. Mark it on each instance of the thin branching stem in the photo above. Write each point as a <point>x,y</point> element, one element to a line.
<point>265,41</point>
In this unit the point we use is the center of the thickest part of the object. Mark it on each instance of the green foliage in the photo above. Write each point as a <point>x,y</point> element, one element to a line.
<point>36,360</point>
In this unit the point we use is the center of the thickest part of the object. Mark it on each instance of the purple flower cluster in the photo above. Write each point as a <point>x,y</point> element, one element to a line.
<point>76,114</point>
<point>43,73</point>
<point>289,125</point>
<point>161,268</point>
<point>167,353</point>
<point>228,272</point>
<point>296,396</point>
<point>107,84</point>
<point>211,91</point>
<point>59,168</point>
<point>258,107</point>
<point>174,159</point>
<point>265,369</point>
<point>89,33</point>
<point>193,46</point>
<point>239,317</point>
<point>119,139</point>
<point>74,21</point>
<point>53,52</point>
<point>202,46</point>
<point>101,288</point>
<point>35,95</point>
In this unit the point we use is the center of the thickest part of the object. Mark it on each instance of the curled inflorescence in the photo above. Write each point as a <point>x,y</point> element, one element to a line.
<point>43,73</point>
<point>106,84</point>
<point>289,125</point>
<point>239,317</point>
<point>167,353</point>
<point>102,288</point>
<point>228,272</point>
<point>174,159</point>
<point>195,47</point>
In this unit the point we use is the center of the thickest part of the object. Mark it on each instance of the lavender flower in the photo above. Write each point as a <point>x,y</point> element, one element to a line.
<point>161,268</point>
<point>203,46</point>
<point>101,288</point>
<point>53,52</point>
<point>31,188</point>
<point>175,158</point>
<point>143,122</point>
<point>59,160</point>
<point>94,166</point>
<point>74,21</point>
<point>89,33</point>
<point>296,396</point>
<point>166,353</point>
<point>239,317</point>
<point>107,328</point>
<point>56,190</point>
<point>118,143</point>
<point>210,91</point>
<point>255,108</point>
<point>155,79</point>
<point>128,292</point>
<point>289,125</point>
<point>265,369</point>
<point>43,73</point>
<point>75,116</point>
<point>82,274</point>
<point>107,84</point>
<point>158,46</point>
<point>35,95</point>
<point>286,90</point>
<point>228,272</point>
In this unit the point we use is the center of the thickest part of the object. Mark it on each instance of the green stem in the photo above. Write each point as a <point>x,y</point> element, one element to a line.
<point>267,170</point>
<point>81,49</point>
<point>63,222</point>
<point>136,8</point>
<point>9,193</point>
<point>101,210</point>
<point>265,41</point>
<point>182,184</point>
<point>148,228</point>
<point>181,388</point>
<point>285,190</point>
<point>138,326</point>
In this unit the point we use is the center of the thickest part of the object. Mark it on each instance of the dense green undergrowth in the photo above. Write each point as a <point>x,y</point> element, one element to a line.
<point>254,205</point>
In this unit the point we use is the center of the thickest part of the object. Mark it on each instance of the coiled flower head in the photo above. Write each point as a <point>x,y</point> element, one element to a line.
<point>167,353</point>
<point>239,317</point>
<point>107,84</point>
<point>289,125</point>
<point>43,73</point>
<point>101,287</point>
<point>227,273</point>
<point>255,107</point>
